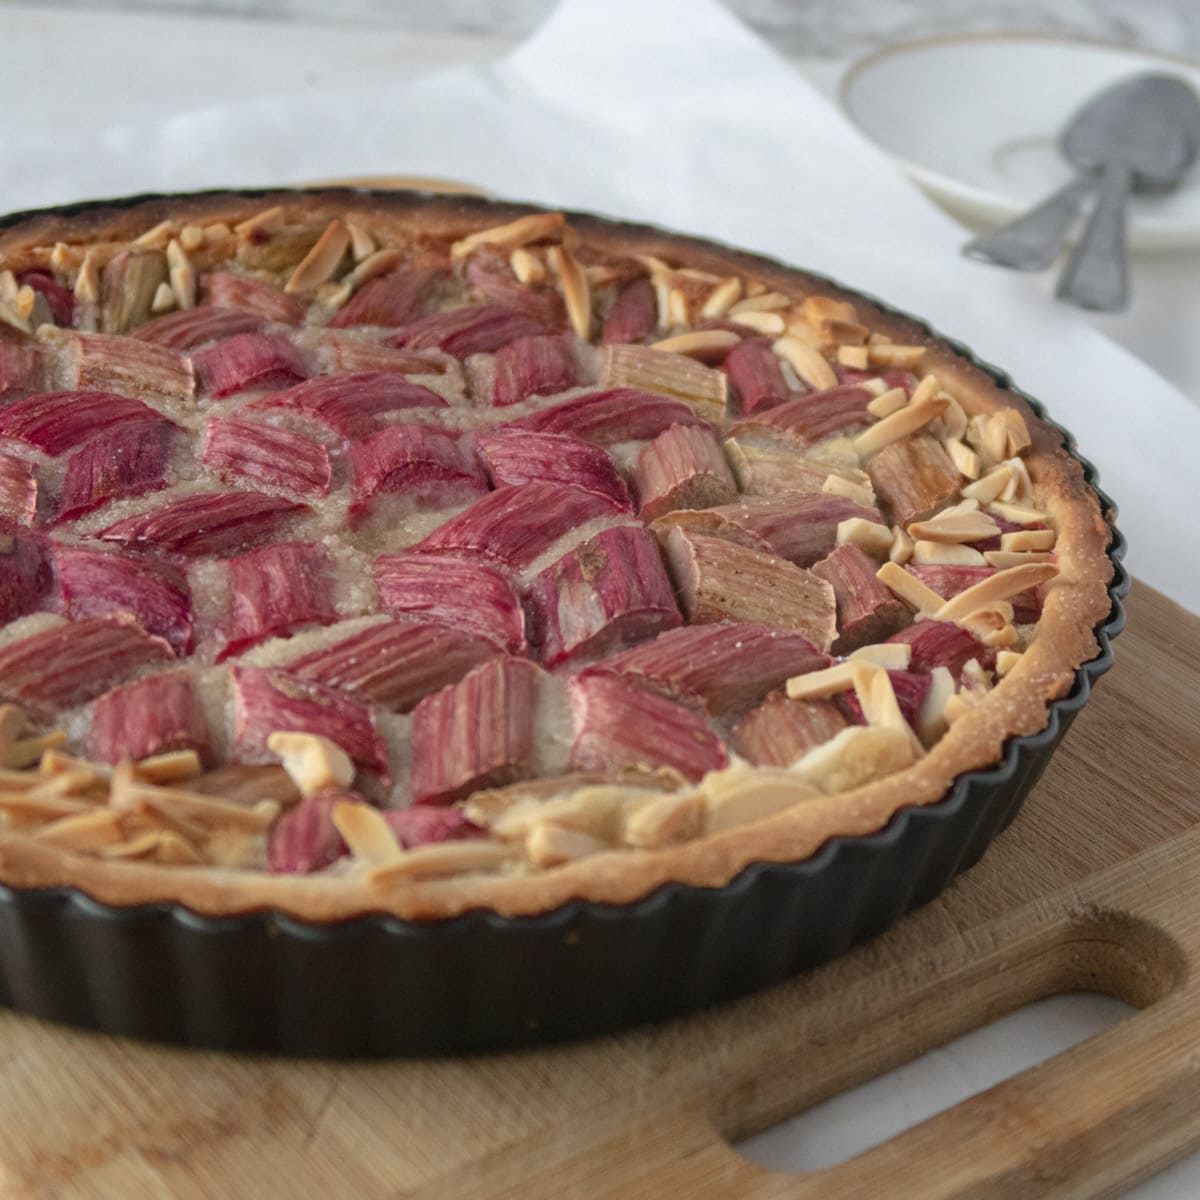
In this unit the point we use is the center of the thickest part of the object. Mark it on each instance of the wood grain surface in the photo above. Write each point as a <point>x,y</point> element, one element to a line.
<point>1096,886</point>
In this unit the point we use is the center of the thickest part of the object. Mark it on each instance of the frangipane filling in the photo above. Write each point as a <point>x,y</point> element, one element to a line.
<point>322,555</point>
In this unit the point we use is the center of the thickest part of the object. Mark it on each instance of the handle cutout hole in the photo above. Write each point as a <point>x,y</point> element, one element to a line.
<point>845,1125</point>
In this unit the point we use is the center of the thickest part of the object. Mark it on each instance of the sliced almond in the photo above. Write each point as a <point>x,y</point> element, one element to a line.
<point>989,486</point>
<point>707,345</point>
<point>84,831</point>
<point>527,267</point>
<point>665,820</point>
<point>931,721</point>
<point>362,244</point>
<point>442,860</point>
<point>87,282</point>
<point>769,324</point>
<point>876,697</point>
<point>536,227</point>
<point>911,590</point>
<point>855,756</point>
<point>860,493</point>
<point>807,361</point>
<point>156,236</point>
<point>890,355</point>
<point>721,298</point>
<point>374,264</point>
<point>869,536</point>
<point>735,797</point>
<point>315,763</point>
<point>1001,586</point>
<point>818,685</point>
<point>269,221</point>
<point>576,291</point>
<point>549,845</point>
<point>218,231</point>
<point>367,833</point>
<point>955,527</point>
<point>901,549</point>
<point>170,767</point>
<point>191,237</point>
<point>891,656</point>
<point>1018,514</point>
<point>322,260</point>
<point>853,356</point>
<point>887,403</point>
<point>926,390</point>
<point>1028,539</point>
<point>899,425</point>
<point>677,308</point>
<point>1006,660</point>
<point>763,302</point>
<point>1014,558</point>
<point>963,457</point>
<point>1019,489</point>
<point>818,310</point>
<point>953,422</point>
<point>945,553</point>
<point>164,299</point>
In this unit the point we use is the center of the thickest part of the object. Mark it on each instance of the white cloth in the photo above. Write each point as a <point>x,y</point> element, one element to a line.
<point>675,113</point>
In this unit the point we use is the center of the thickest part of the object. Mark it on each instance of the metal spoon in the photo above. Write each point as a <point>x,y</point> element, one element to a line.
<point>1143,132</point>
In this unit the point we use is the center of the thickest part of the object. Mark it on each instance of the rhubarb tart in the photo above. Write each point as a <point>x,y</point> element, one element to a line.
<point>409,555</point>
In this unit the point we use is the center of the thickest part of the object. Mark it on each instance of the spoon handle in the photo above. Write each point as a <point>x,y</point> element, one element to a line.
<point>1031,242</point>
<point>1096,275</point>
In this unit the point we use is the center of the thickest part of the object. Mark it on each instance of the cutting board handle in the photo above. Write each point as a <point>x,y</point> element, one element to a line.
<point>1092,1119</point>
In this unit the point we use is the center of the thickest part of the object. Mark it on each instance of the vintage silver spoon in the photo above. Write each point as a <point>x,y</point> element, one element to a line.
<point>1143,133</point>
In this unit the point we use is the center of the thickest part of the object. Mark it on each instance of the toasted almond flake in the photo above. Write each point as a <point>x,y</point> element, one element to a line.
<point>362,244</point>
<point>156,236</point>
<point>314,762</point>
<point>703,344</point>
<point>269,221</point>
<point>372,265</point>
<point>1001,586</point>
<point>891,656</point>
<point>84,831</point>
<point>165,846</point>
<point>322,260</point>
<point>769,324</point>
<point>75,781</point>
<point>537,227</point>
<point>879,339</point>
<point>1018,514</point>
<point>901,549</point>
<point>1006,660</point>
<point>38,806</point>
<point>191,237</point>
<point>839,485</point>
<point>887,402</point>
<point>799,329</point>
<point>87,282</point>
<point>853,356</point>
<point>63,258</point>
<point>721,298</point>
<point>441,860</point>
<point>989,486</point>
<point>57,762</point>
<point>945,553</point>
<point>856,756</point>
<point>8,287</point>
<point>170,767</point>
<point>876,697</point>
<point>129,794</point>
<point>332,296</point>
<point>926,390</point>
<point>953,421</point>
<point>576,291</point>
<point>24,303</point>
<point>911,590</point>
<point>1019,488</point>
<point>868,536</point>
<point>985,622</point>
<point>899,425</point>
<point>974,677</point>
<point>164,299</point>
<point>217,232</point>
<point>1014,558</point>
<point>957,707</point>
<point>896,356</point>
<point>818,310</point>
<point>527,267</point>
<point>807,361</point>
<point>963,457</point>
<point>12,780</point>
<point>1003,637</point>
<point>13,723</point>
<point>736,796</point>
<point>955,527</point>
<point>677,308</point>
<point>931,723</point>
<point>818,685</point>
<point>763,302</point>
<point>24,752</point>
<point>550,845</point>
<point>664,820</point>
<point>1028,539</point>
<point>1017,439</point>
<point>10,316</point>
<point>367,833</point>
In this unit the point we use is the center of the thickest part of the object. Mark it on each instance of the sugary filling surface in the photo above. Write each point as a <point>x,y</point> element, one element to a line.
<point>325,553</point>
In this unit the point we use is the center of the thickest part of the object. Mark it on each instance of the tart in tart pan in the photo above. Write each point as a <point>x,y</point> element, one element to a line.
<point>396,588</point>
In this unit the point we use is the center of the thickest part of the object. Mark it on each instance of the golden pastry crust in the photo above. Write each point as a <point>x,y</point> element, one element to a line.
<point>1076,603</point>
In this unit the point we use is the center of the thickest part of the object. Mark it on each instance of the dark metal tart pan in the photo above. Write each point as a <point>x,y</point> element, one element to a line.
<point>376,985</point>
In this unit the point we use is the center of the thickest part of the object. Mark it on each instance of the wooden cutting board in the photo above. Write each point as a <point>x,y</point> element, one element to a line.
<point>1095,887</point>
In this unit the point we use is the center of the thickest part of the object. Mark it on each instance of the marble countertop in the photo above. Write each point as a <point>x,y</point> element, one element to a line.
<point>179,57</point>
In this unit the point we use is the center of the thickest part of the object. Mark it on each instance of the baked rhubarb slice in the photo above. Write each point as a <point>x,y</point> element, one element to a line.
<point>472,596</point>
<point>719,580</point>
<point>129,283</point>
<point>811,418</point>
<point>72,661</point>
<point>305,839</point>
<point>634,314</point>
<point>514,525</point>
<point>18,488</point>
<point>224,289</point>
<point>516,456</point>
<point>663,373</point>
<point>726,666</point>
<point>355,355</point>
<point>867,611</point>
<point>205,523</point>
<point>59,300</point>
<point>26,575</point>
<point>353,405</point>
<point>394,664</point>
<point>617,724</point>
<point>275,590</point>
<point>611,416</point>
<point>20,362</point>
<point>428,466</point>
<point>472,329</point>
<point>780,730</point>
<point>155,715</point>
<point>191,328</point>
<point>533,366</point>
<point>767,469</point>
<point>479,732</point>
<point>99,362</point>
<point>943,644</point>
<point>57,421</point>
<point>684,467</point>
<point>117,464</point>
<point>267,701</point>
<point>388,300</point>
<point>609,592</point>
<point>258,361</point>
<point>490,276</point>
<point>99,583</point>
<point>913,477</point>
<point>755,375</point>
<point>250,450</point>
